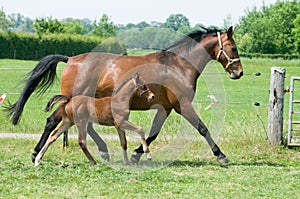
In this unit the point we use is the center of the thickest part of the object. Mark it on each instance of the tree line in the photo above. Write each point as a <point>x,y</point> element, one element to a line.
<point>271,29</point>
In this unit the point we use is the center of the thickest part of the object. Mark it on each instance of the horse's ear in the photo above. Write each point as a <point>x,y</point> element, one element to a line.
<point>134,81</point>
<point>230,32</point>
<point>137,78</point>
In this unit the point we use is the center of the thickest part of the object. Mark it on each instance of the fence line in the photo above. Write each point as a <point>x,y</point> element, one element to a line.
<point>250,95</point>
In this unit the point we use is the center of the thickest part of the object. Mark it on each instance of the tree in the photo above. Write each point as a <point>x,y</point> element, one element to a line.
<point>87,24</point>
<point>227,22</point>
<point>4,23</point>
<point>77,26</point>
<point>73,26</point>
<point>150,37</point>
<point>48,25</point>
<point>156,24</point>
<point>142,25</point>
<point>175,21</point>
<point>269,28</point>
<point>296,33</point>
<point>16,20</point>
<point>105,27</point>
<point>185,29</point>
<point>130,26</point>
<point>20,23</point>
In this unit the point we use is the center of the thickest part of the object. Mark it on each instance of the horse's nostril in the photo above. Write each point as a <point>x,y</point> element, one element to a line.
<point>241,74</point>
<point>152,97</point>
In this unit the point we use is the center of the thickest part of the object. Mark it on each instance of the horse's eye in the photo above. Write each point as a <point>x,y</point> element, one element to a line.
<point>234,49</point>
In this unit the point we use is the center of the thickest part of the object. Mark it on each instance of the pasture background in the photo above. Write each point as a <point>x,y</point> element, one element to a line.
<point>187,170</point>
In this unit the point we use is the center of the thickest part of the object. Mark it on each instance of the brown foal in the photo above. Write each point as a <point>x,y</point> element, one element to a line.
<point>109,111</point>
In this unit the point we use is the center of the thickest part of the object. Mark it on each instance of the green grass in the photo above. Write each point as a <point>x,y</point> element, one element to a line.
<point>254,171</point>
<point>180,168</point>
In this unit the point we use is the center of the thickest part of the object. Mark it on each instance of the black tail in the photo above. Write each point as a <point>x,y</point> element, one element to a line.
<point>40,79</point>
<point>54,100</point>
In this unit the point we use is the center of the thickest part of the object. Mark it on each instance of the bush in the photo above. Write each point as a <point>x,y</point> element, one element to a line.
<point>111,44</point>
<point>31,47</point>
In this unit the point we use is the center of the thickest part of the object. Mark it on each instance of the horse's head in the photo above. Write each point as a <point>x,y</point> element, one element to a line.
<point>142,90</point>
<point>227,54</point>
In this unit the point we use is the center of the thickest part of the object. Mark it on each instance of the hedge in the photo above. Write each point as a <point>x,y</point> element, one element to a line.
<point>32,47</point>
<point>270,56</point>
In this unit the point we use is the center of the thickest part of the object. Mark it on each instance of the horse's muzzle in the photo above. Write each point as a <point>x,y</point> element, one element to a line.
<point>151,97</point>
<point>236,75</point>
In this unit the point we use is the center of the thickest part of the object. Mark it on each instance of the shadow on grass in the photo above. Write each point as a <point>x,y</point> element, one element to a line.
<point>180,163</point>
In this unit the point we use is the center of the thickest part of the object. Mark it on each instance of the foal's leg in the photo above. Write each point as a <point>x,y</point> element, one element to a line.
<point>132,127</point>
<point>52,122</point>
<point>55,134</point>
<point>123,142</point>
<point>82,132</point>
<point>188,112</point>
<point>157,124</point>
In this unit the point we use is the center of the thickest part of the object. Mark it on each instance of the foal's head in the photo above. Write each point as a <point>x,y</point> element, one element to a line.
<point>142,90</point>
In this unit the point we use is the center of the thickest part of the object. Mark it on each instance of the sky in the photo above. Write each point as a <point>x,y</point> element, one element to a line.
<point>207,12</point>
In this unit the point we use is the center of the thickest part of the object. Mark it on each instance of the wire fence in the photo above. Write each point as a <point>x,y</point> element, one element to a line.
<point>249,94</point>
<point>246,97</point>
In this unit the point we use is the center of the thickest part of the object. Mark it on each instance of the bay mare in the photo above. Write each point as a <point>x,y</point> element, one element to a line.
<point>171,74</point>
<point>109,111</point>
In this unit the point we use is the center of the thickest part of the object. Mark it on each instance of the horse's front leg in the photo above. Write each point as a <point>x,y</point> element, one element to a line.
<point>102,147</point>
<point>123,142</point>
<point>132,127</point>
<point>52,122</point>
<point>82,133</point>
<point>188,112</point>
<point>157,124</point>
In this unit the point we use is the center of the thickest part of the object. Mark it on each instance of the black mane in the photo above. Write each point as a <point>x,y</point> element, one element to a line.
<point>120,86</point>
<point>195,37</point>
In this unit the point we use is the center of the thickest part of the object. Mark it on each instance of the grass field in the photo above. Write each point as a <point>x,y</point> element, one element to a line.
<point>181,168</point>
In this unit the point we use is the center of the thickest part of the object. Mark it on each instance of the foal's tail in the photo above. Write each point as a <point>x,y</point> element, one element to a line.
<point>54,100</point>
<point>40,79</point>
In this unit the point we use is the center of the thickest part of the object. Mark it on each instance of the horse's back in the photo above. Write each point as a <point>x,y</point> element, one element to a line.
<point>81,73</point>
<point>90,109</point>
<point>98,74</point>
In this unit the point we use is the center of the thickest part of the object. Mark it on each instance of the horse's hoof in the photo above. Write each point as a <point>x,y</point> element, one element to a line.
<point>33,156</point>
<point>223,160</point>
<point>149,157</point>
<point>37,163</point>
<point>105,156</point>
<point>126,163</point>
<point>135,158</point>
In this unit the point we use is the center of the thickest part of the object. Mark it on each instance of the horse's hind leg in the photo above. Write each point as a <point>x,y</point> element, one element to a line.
<point>98,140</point>
<point>65,139</point>
<point>52,122</point>
<point>65,125</point>
<point>123,142</point>
<point>82,132</point>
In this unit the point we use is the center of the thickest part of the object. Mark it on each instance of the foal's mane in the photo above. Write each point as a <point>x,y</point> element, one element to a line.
<point>120,86</point>
<point>193,38</point>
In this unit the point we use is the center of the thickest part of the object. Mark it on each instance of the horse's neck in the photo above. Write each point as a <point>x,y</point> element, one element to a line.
<point>125,92</point>
<point>199,55</point>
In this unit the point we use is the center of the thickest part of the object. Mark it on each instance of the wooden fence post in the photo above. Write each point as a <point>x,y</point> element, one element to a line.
<point>276,103</point>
